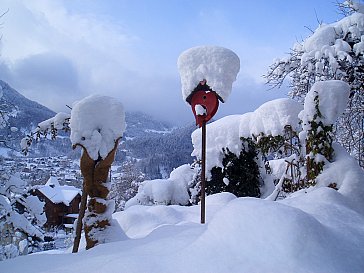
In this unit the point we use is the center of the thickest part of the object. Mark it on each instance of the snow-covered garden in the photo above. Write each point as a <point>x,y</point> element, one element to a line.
<point>283,195</point>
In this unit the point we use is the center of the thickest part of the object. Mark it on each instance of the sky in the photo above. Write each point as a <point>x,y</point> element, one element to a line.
<point>57,51</point>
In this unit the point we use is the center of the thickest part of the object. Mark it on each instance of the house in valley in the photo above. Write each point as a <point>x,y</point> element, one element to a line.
<point>61,202</point>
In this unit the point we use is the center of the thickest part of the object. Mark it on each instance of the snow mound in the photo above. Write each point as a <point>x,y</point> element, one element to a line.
<point>171,191</point>
<point>96,123</point>
<point>315,231</point>
<point>217,65</point>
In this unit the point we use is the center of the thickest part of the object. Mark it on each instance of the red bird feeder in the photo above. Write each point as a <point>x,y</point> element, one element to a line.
<point>204,103</point>
<point>207,100</point>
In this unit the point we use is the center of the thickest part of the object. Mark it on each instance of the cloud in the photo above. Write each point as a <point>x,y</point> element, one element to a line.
<point>55,53</point>
<point>47,70</point>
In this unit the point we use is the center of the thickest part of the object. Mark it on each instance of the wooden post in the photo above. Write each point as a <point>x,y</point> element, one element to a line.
<point>203,173</point>
<point>81,214</point>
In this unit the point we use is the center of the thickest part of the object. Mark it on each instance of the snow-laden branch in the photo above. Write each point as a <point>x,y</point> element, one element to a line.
<point>60,121</point>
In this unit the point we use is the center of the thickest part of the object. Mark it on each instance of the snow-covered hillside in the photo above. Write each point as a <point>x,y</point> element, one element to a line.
<point>158,146</point>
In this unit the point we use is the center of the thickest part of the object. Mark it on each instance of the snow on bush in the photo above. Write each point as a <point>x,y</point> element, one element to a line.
<point>217,65</point>
<point>269,119</point>
<point>171,191</point>
<point>332,98</point>
<point>222,133</point>
<point>96,123</point>
<point>36,208</point>
<point>20,222</point>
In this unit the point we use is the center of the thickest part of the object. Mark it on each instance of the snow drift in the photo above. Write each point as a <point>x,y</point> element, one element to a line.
<point>315,230</point>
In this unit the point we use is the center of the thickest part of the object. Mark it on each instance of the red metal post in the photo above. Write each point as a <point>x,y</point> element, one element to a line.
<point>203,172</point>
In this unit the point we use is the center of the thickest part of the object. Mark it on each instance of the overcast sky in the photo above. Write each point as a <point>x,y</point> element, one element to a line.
<point>57,51</point>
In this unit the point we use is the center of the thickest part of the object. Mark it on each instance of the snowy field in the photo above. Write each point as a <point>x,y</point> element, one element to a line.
<point>317,230</point>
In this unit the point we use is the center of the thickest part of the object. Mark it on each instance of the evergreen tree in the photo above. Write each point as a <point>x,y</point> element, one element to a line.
<point>240,174</point>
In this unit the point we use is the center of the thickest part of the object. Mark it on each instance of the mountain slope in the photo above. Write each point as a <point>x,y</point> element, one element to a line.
<point>158,146</point>
<point>30,113</point>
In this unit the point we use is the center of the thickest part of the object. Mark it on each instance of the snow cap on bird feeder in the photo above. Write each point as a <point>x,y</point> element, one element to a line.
<point>218,66</point>
<point>207,74</point>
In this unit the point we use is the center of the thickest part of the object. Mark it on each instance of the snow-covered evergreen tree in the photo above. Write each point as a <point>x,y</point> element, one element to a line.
<point>323,105</point>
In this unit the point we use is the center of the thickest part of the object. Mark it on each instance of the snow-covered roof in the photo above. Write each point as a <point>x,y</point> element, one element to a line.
<point>96,123</point>
<point>57,193</point>
<point>52,181</point>
<point>217,65</point>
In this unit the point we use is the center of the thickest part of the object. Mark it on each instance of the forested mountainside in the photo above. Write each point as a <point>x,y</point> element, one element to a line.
<point>156,146</point>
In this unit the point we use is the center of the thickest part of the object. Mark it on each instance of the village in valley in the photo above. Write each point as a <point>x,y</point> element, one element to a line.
<point>56,181</point>
<point>36,171</point>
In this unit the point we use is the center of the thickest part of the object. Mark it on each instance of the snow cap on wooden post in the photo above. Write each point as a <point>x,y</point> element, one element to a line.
<point>219,66</point>
<point>97,122</point>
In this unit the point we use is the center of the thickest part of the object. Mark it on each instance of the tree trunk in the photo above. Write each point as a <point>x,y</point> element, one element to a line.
<point>81,214</point>
<point>98,214</point>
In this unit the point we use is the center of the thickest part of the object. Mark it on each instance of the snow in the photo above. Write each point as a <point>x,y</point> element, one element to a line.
<point>269,119</point>
<point>97,122</point>
<point>359,47</point>
<point>52,181</point>
<point>333,96</point>
<point>57,121</point>
<point>217,65</point>
<point>20,222</point>
<point>173,190</point>
<point>317,230</point>
<point>326,42</point>
<point>23,244</point>
<point>323,36</point>
<point>36,207</point>
<point>222,133</point>
<point>15,184</point>
<point>57,193</point>
<point>200,110</point>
